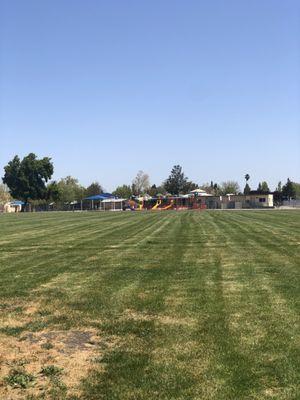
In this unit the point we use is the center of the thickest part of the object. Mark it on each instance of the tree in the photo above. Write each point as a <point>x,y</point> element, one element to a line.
<point>277,198</point>
<point>141,183</point>
<point>247,188</point>
<point>263,187</point>
<point>189,186</point>
<point>216,190</point>
<point>53,192</point>
<point>279,187</point>
<point>123,192</point>
<point>288,190</point>
<point>211,188</point>
<point>70,190</point>
<point>156,190</point>
<point>229,187</point>
<point>4,194</point>
<point>153,191</point>
<point>177,181</point>
<point>27,179</point>
<point>297,190</point>
<point>93,189</point>
<point>277,195</point>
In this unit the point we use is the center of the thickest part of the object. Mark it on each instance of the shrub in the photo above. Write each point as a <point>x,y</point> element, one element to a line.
<point>19,378</point>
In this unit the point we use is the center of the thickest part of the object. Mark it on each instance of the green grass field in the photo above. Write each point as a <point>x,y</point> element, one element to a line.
<point>166,305</point>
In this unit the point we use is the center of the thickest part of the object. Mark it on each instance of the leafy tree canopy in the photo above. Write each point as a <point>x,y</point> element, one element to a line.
<point>189,186</point>
<point>177,181</point>
<point>211,188</point>
<point>288,190</point>
<point>263,187</point>
<point>27,179</point>
<point>53,192</point>
<point>70,190</point>
<point>153,191</point>
<point>123,192</point>
<point>157,190</point>
<point>93,189</point>
<point>229,187</point>
<point>297,190</point>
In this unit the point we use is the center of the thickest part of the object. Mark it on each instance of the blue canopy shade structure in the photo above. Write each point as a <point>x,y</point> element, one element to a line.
<point>17,203</point>
<point>100,196</point>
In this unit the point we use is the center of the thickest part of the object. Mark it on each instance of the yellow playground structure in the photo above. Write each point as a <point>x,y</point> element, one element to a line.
<point>158,203</point>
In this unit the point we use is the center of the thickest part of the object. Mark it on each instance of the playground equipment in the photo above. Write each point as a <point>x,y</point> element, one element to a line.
<point>158,203</point>
<point>132,205</point>
<point>168,206</point>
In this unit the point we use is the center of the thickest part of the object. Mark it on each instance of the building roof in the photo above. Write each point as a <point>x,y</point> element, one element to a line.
<point>260,192</point>
<point>198,190</point>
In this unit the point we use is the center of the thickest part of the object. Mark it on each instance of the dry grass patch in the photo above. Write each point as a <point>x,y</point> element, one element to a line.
<point>70,352</point>
<point>26,359</point>
<point>17,314</point>
<point>62,280</point>
<point>162,319</point>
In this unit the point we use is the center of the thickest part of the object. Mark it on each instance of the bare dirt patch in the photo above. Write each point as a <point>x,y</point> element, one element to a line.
<point>71,351</point>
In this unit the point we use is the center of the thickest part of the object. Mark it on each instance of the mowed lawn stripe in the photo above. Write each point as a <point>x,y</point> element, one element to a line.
<point>140,365</point>
<point>269,322</point>
<point>277,260</point>
<point>61,254</point>
<point>229,371</point>
<point>198,304</point>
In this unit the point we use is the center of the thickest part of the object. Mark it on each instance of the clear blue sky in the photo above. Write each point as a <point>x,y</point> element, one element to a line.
<point>110,87</point>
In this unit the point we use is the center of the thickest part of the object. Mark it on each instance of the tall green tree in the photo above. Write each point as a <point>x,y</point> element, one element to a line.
<point>157,190</point>
<point>297,190</point>
<point>153,191</point>
<point>277,195</point>
<point>279,187</point>
<point>93,189</point>
<point>53,192</point>
<point>177,181</point>
<point>27,179</point>
<point>247,188</point>
<point>263,187</point>
<point>277,198</point>
<point>189,186</point>
<point>123,192</point>
<point>70,190</point>
<point>288,190</point>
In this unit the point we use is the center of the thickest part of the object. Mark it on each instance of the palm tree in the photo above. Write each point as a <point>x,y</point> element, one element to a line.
<point>247,187</point>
